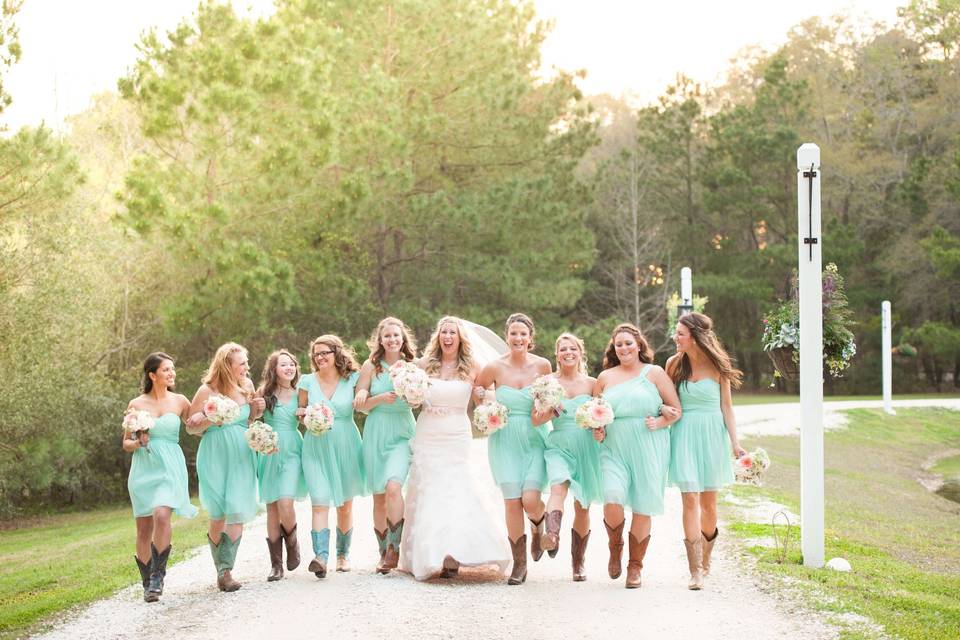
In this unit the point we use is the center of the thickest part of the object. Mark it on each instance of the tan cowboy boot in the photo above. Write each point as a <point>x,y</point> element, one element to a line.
<point>551,539</point>
<point>578,548</point>
<point>615,536</point>
<point>276,559</point>
<point>694,560</point>
<point>707,546</point>
<point>536,535</point>
<point>638,549</point>
<point>292,545</point>
<point>519,549</point>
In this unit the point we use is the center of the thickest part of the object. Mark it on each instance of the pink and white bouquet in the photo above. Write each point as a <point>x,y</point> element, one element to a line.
<point>220,410</point>
<point>749,469</point>
<point>489,417</point>
<point>262,438</point>
<point>594,413</point>
<point>318,419</point>
<point>136,421</point>
<point>548,394</point>
<point>410,382</point>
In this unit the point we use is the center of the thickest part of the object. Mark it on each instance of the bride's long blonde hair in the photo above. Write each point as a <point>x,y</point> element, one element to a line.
<point>433,353</point>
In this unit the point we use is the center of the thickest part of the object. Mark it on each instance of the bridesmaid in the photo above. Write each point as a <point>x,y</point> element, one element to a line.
<point>332,462</point>
<point>281,474</point>
<point>572,455</point>
<point>516,450</point>
<point>226,466</point>
<point>386,435</point>
<point>636,445</point>
<point>158,476</point>
<point>701,441</point>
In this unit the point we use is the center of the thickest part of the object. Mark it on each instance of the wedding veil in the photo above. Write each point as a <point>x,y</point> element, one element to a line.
<point>487,346</point>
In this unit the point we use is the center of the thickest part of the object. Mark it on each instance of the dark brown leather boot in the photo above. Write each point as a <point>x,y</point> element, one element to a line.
<point>276,558</point>
<point>578,549</point>
<point>144,568</point>
<point>519,549</point>
<point>615,542</point>
<point>292,545</point>
<point>638,549</point>
<point>536,533</point>
<point>551,537</point>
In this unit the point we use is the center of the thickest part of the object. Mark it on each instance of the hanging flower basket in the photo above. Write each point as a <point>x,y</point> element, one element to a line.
<point>782,358</point>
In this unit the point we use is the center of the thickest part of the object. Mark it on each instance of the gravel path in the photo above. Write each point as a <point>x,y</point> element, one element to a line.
<point>361,604</point>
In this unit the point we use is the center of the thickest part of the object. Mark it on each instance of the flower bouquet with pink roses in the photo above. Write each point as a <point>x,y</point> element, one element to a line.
<point>489,417</point>
<point>409,381</point>
<point>318,419</point>
<point>136,421</point>
<point>220,410</point>
<point>594,413</point>
<point>748,469</point>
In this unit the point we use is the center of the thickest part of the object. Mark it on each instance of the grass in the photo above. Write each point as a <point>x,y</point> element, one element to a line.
<point>57,562</point>
<point>901,540</point>
<point>948,467</point>
<point>767,398</point>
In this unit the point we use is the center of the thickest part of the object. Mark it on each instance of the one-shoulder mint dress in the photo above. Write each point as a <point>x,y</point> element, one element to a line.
<point>158,477</point>
<point>333,462</point>
<point>700,452</point>
<point>573,455</point>
<point>280,474</point>
<point>386,438</point>
<point>516,450</point>
<point>633,459</point>
<point>227,471</point>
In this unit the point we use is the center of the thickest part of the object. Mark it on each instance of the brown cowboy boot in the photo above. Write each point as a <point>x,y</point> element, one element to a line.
<point>638,549</point>
<point>551,539</point>
<point>694,560</point>
<point>276,558</point>
<point>707,547</point>
<point>519,549</point>
<point>382,543</point>
<point>292,545</point>
<point>578,549</point>
<point>615,536</point>
<point>536,534</point>
<point>391,557</point>
<point>451,568</point>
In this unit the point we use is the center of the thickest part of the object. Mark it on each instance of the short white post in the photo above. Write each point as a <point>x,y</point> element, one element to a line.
<point>810,246</point>
<point>887,348</point>
<point>686,291</point>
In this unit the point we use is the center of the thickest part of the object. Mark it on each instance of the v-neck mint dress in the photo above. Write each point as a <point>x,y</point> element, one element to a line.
<point>158,477</point>
<point>516,450</point>
<point>386,438</point>
<point>281,474</point>
<point>573,456</point>
<point>227,471</point>
<point>333,462</point>
<point>701,458</point>
<point>633,459</point>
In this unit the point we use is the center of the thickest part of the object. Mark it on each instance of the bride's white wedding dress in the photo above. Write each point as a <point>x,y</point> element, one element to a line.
<point>448,512</point>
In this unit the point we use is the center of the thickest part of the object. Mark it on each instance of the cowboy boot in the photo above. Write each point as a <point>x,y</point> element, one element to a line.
<point>615,542</point>
<point>343,550</point>
<point>536,534</point>
<point>228,556</point>
<point>551,539</point>
<point>451,568</point>
<point>144,568</point>
<point>215,554</point>
<point>578,549</point>
<point>321,551</point>
<point>276,558</point>
<point>382,543</point>
<point>519,549</point>
<point>638,549</point>
<point>292,545</point>
<point>694,560</point>
<point>391,557</point>
<point>158,571</point>
<point>707,547</point>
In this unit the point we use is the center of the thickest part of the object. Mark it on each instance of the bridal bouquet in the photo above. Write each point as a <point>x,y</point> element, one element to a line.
<point>410,382</point>
<point>548,394</point>
<point>220,410</point>
<point>594,413</point>
<point>748,469</point>
<point>262,438</point>
<point>489,417</point>
<point>318,419</point>
<point>136,421</point>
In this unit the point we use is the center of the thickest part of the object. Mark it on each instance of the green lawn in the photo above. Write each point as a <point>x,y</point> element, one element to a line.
<point>57,562</point>
<point>767,398</point>
<point>902,540</point>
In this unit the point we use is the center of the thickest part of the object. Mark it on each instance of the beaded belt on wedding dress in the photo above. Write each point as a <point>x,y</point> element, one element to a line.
<point>440,410</point>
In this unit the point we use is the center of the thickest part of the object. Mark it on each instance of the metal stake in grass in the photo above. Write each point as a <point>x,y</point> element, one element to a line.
<point>780,549</point>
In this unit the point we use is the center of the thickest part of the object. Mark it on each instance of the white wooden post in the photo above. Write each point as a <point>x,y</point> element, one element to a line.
<point>887,348</point>
<point>810,246</point>
<point>686,291</point>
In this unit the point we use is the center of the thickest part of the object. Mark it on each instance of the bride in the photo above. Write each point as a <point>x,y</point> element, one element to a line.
<point>449,517</point>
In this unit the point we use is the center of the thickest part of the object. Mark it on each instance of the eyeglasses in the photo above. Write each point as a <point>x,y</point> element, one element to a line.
<point>321,354</point>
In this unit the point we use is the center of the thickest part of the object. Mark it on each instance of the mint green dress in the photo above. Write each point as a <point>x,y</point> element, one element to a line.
<point>516,450</point>
<point>386,438</point>
<point>700,453</point>
<point>633,459</point>
<point>573,455</point>
<point>333,462</point>
<point>227,471</point>
<point>280,474</point>
<point>158,478</point>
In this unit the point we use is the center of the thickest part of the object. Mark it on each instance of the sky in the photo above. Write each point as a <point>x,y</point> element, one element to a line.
<point>74,49</point>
